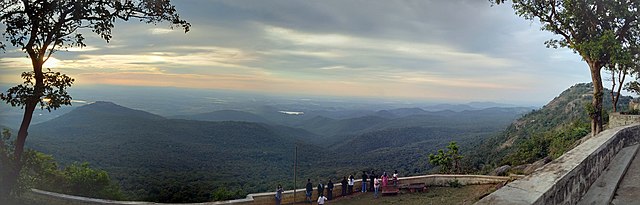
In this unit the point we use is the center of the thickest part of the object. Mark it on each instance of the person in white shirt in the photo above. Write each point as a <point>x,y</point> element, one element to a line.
<point>321,199</point>
<point>395,178</point>
<point>376,187</point>
<point>351,182</point>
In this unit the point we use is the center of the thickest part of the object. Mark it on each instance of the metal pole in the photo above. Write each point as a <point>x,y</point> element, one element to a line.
<point>295,164</point>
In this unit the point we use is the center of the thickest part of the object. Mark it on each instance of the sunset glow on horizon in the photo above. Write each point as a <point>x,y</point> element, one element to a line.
<point>445,50</point>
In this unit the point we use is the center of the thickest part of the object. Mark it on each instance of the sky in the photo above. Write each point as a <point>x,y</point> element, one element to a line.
<point>431,50</point>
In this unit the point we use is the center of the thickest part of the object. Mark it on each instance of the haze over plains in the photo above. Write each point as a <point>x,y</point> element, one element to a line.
<point>458,51</point>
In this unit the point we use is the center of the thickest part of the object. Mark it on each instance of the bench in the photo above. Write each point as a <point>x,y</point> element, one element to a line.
<point>390,189</point>
<point>417,187</point>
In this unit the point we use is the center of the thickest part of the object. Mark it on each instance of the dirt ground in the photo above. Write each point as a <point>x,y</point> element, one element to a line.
<point>435,195</point>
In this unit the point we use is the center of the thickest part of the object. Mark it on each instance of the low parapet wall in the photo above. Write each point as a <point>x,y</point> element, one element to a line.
<point>616,119</point>
<point>566,179</point>
<point>44,197</point>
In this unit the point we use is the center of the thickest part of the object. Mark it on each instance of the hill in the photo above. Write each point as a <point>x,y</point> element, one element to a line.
<point>184,160</point>
<point>171,160</point>
<point>555,123</point>
<point>564,109</point>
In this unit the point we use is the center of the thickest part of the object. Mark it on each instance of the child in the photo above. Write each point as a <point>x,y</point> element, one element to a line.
<point>321,199</point>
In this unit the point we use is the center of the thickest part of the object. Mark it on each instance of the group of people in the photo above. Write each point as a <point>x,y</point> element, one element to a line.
<point>375,183</point>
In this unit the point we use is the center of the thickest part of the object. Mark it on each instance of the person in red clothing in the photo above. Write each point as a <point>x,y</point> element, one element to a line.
<point>385,179</point>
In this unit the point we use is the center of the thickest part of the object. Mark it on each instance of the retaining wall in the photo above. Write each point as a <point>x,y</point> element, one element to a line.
<point>566,179</point>
<point>44,197</point>
<point>616,119</point>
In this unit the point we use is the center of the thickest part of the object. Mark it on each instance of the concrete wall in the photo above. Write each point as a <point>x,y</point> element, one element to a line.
<point>616,119</point>
<point>44,197</point>
<point>566,179</point>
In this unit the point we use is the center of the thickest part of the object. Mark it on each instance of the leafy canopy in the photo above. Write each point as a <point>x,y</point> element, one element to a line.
<point>448,161</point>
<point>42,27</point>
<point>597,30</point>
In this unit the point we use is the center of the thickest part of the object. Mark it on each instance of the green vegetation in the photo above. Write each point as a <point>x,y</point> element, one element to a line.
<point>455,183</point>
<point>449,161</point>
<point>41,171</point>
<point>552,143</point>
<point>546,132</point>
<point>169,160</point>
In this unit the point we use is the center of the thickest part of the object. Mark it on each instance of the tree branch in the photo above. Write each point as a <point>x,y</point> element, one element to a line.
<point>625,27</point>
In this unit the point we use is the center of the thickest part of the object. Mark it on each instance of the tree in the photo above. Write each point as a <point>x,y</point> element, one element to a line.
<point>634,65</point>
<point>597,30</point>
<point>42,27</point>
<point>623,62</point>
<point>448,161</point>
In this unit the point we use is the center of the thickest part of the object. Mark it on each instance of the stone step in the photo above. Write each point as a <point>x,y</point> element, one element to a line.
<point>604,188</point>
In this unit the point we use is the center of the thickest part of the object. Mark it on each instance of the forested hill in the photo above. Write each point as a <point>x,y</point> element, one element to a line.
<point>564,109</point>
<point>560,118</point>
<point>177,160</point>
<point>151,155</point>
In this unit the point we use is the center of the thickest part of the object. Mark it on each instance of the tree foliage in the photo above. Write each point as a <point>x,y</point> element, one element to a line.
<point>634,67</point>
<point>54,94</point>
<point>40,28</point>
<point>603,33</point>
<point>42,171</point>
<point>448,161</point>
<point>552,143</point>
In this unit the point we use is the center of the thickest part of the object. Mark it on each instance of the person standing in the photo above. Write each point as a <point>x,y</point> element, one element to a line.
<point>395,178</point>
<point>371,178</point>
<point>376,187</point>
<point>330,190</point>
<point>321,200</point>
<point>385,179</point>
<point>320,189</point>
<point>364,181</point>
<point>309,190</point>
<point>344,186</point>
<point>352,181</point>
<point>279,191</point>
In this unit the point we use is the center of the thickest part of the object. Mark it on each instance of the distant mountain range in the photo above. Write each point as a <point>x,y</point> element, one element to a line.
<point>155,157</point>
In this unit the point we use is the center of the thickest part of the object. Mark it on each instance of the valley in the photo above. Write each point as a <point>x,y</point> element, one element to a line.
<point>184,158</point>
<point>228,153</point>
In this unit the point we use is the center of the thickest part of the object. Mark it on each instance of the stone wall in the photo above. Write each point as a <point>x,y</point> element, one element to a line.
<point>616,119</point>
<point>44,197</point>
<point>566,179</point>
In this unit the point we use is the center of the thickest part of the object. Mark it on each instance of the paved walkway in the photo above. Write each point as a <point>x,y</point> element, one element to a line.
<point>628,191</point>
<point>619,184</point>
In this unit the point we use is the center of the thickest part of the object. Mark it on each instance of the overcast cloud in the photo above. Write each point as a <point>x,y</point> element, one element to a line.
<point>460,50</point>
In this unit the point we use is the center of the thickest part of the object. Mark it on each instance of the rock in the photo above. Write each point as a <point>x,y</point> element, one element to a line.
<point>634,105</point>
<point>501,171</point>
<point>531,168</point>
<point>519,169</point>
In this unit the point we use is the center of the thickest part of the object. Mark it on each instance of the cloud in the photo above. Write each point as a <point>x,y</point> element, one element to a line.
<point>425,49</point>
<point>160,31</point>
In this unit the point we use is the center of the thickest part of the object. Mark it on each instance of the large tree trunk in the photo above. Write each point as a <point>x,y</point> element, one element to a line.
<point>12,171</point>
<point>596,79</point>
